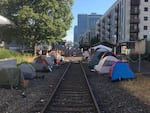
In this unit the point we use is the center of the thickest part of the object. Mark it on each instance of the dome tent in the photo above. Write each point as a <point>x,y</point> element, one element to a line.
<point>27,70</point>
<point>99,50</point>
<point>4,20</point>
<point>43,63</point>
<point>105,64</point>
<point>95,58</point>
<point>120,70</point>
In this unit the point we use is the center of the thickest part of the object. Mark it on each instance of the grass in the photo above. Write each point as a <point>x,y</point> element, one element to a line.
<point>140,88</point>
<point>5,53</point>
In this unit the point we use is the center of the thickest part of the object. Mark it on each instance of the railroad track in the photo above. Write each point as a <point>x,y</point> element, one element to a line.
<point>72,94</point>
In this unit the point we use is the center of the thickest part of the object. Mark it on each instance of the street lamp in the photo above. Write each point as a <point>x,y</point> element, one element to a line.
<point>115,41</point>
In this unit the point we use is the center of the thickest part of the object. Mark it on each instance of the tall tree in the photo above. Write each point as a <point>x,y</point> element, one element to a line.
<point>38,21</point>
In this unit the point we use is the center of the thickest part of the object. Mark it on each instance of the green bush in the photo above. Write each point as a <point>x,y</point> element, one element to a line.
<point>5,53</point>
<point>134,56</point>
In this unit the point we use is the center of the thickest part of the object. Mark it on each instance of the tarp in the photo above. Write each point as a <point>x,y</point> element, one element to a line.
<point>121,70</point>
<point>27,70</point>
<point>10,76</point>
<point>105,64</point>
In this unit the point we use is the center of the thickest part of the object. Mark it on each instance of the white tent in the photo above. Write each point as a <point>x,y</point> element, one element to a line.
<point>102,47</point>
<point>4,21</point>
<point>104,64</point>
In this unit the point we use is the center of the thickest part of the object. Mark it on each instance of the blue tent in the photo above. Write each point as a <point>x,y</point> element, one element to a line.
<point>120,70</point>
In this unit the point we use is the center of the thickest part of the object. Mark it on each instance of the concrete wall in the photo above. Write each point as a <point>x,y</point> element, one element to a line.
<point>8,62</point>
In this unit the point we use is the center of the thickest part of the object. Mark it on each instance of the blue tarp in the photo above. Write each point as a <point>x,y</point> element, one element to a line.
<point>120,70</point>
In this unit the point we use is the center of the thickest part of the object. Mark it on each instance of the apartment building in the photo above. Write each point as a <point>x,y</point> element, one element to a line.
<point>126,24</point>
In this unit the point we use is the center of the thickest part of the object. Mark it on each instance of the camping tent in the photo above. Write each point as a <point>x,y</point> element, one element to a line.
<point>50,59</point>
<point>10,76</point>
<point>27,70</point>
<point>108,53</point>
<point>105,64</point>
<point>4,21</point>
<point>120,70</point>
<point>96,57</point>
<point>102,47</point>
<point>43,63</point>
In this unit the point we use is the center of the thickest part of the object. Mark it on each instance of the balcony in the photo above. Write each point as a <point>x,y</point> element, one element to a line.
<point>98,29</point>
<point>108,29</point>
<point>135,2</point>
<point>133,38</point>
<point>109,16</point>
<point>134,21</point>
<point>134,12</point>
<point>116,17</point>
<point>134,30</point>
<point>99,24</point>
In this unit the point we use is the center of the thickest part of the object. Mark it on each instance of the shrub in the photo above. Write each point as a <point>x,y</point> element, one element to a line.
<point>134,56</point>
<point>5,53</point>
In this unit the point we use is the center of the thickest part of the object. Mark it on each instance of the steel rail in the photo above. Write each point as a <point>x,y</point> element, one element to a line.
<point>90,89</point>
<point>91,95</point>
<point>53,93</point>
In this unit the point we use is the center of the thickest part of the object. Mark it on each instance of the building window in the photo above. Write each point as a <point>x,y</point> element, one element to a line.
<point>145,36</point>
<point>146,0</point>
<point>145,27</point>
<point>145,8</point>
<point>145,18</point>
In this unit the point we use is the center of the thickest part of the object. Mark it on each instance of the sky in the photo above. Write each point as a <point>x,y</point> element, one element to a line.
<point>87,7</point>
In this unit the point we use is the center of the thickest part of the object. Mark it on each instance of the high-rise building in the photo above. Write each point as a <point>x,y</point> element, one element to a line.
<point>127,25</point>
<point>76,34</point>
<point>86,23</point>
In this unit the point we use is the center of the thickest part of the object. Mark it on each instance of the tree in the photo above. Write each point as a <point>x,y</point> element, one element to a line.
<point>94,40</point>
<point>38,21</point>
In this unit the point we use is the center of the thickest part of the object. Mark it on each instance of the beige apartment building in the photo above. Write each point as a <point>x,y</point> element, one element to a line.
<point>126,24</point>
